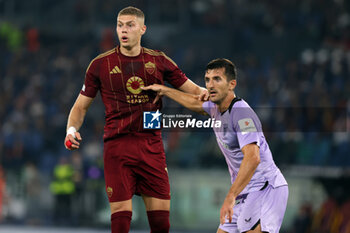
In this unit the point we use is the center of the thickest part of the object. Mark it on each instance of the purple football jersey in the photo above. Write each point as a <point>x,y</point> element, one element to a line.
<point>241,126</point>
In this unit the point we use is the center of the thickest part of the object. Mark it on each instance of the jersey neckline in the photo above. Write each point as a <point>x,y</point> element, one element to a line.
<point>117,49</point>
<point>234,100</point>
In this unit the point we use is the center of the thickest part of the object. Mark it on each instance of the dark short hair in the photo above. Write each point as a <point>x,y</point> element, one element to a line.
<point>230,68</point>
<point>130,10</point>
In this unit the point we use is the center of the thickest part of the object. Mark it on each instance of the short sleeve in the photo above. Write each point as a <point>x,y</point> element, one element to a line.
<point>172,73</point>
<point>92,82</point>
<point>247,126</point>
<point>208,107</point>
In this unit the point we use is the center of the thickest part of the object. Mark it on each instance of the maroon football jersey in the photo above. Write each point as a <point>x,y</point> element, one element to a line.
<point>119,79</point>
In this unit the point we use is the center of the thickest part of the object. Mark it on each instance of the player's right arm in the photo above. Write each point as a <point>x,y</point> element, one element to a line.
<point>75,120</point>
<point>87,94</point>
<point>187,100</point>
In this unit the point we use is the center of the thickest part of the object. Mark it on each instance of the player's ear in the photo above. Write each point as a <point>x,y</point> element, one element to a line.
<point>143,29</point>
<point>232,84</point>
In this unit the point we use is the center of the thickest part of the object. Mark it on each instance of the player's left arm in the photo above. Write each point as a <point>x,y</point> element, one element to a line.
<point>190,87</point>
<point>179,80</point>
<point>187,100</point>
<point>250,162</point>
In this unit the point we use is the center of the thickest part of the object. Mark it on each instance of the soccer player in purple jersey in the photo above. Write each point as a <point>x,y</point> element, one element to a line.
<point>257,199</point>
<point>134,158</point>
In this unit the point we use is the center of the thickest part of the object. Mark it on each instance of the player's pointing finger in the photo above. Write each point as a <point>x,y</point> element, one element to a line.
<point>145,88</point>
<point>150,87</point>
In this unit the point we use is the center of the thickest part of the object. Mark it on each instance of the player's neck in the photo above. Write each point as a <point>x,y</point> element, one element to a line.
<point>132,52</point>
<point>225,104</point>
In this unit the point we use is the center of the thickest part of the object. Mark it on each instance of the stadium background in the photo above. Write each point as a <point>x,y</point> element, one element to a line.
<point>293,60</point>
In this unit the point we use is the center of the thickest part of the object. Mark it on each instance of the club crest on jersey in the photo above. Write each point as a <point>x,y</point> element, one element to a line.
<point>109,191</point>
<point>134,85</point>
<point>150,67</point>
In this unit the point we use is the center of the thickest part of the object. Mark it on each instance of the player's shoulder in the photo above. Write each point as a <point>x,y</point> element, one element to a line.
<point>240,103</point>
<point>241,109</point>
<point>153,52</point>
<point>239,106</point>
<point>105,54</point>
<point>158,54</point>
<point>100,57</point>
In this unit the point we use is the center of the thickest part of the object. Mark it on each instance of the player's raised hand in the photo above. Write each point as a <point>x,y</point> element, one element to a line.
<point>71,142</point>
<point>204,95</point>
<point>227,209</point>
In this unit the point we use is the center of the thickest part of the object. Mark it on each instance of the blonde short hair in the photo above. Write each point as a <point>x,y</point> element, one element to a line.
<point>130,10</point>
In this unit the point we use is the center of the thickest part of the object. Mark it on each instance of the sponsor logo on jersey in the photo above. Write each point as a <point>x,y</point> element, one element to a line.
<point>116,70</point>
<point>246,125</point>
<point>134,85</point>
<point>150,67</point>
<point>137,99</point>
<point>151,120</point>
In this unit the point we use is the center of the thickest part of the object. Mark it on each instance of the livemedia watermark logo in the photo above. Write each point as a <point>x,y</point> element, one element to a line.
<point>154,120</point>
<point>151,120</point>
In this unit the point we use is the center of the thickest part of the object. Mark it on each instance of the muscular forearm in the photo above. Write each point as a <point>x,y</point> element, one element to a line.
<point>191,88</point>
<point>189,101</point>
<point>75,120</point>
<point>197,90</point>
<point>78,112</point>
<point>246,171</point>
<point>76,117</point>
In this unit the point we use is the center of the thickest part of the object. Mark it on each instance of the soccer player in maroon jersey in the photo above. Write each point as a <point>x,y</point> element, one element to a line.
<point>134,158</point>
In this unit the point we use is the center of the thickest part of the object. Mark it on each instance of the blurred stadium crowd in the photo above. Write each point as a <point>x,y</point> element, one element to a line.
<point>293,60</point>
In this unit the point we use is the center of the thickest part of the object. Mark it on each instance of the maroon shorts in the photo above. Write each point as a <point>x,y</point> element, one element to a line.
<point>135,165</point>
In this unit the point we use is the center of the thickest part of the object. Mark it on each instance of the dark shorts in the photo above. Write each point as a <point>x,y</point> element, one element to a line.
<point>135,165</point>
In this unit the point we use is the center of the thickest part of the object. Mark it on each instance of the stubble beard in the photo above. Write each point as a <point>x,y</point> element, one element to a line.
<point>219,98</point>
<point>216,101</point>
